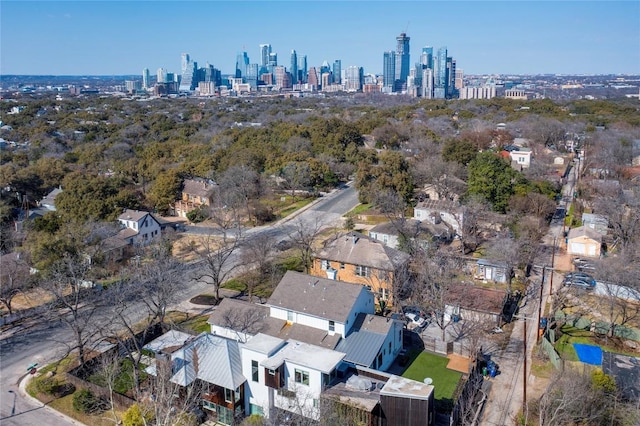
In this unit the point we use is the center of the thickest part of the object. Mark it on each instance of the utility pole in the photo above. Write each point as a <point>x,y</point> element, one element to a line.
<point>540,305</point>
<point>524,370</point>
<point>553,257</point>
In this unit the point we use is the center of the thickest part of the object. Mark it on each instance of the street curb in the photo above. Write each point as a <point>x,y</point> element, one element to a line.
<point>22,389</point>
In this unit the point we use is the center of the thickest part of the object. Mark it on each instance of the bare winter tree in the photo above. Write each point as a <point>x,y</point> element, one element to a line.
<point>622,211</point>
<point>257,254</point>
<point>245,322</point>
<point>470,229</point>
<point>74,302</point>
<point>303,236</point>
<point>435,274</point>
<point>14,278</point>
<point>574,397</point>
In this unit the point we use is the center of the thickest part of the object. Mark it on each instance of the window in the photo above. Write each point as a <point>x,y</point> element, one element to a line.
<point>332,326</point>
<point>290,316</point>
<point>272,372</point>
<point>362,271</point>
<point>228,395</point>
<point>341,265</point>
<point>316,403</point>
<point>254,371</point>
<point>302,377</point>
<point>324,264</point>
<point>389,347</point>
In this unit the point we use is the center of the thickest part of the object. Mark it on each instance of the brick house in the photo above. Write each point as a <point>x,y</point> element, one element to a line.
<point>355,258</point>
<point>196,193</point>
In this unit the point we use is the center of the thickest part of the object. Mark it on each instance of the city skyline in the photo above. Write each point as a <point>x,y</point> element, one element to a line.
<point>124,37</point>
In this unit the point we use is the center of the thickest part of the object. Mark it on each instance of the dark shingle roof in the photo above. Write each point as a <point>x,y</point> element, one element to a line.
<point>316,296</point>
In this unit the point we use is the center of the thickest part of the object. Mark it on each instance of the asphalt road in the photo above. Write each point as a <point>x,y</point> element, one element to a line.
<point>42,342</point>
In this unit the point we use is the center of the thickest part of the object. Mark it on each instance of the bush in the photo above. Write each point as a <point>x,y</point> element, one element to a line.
<point>197,215</point>
<point>47,385</point>
<point>86,402</point>
<point>133,416</point>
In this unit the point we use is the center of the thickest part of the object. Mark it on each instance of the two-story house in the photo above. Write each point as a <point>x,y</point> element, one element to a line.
<point>287,375</point>
<point>139,227</point>
<point>318,311</point>
<point>196,193</point>
<point>356,258</point>
<point>210,365</point>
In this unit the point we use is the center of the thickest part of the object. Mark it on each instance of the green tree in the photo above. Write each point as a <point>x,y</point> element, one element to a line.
<point>492,178</point>
<point>165,190</point>
<point>460,151</point>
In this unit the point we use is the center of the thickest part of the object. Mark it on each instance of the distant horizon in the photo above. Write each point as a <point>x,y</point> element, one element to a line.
<point>109,38</point>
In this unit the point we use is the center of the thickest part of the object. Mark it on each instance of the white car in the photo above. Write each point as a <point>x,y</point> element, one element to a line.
<point>414,321</point>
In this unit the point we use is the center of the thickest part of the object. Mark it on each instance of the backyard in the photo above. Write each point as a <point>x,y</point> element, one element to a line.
<point>434,366</point>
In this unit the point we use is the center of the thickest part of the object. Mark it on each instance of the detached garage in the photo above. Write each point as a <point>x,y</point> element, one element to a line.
<point>584,241</point>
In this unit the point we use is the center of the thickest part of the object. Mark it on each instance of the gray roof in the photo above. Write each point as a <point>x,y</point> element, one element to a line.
<point>489,262</point>
<point>218,362</point>
<point>304,354</point>
<point>199,187</point>
<point>316,296</point>
<point>439,205</point>
<point>585,231</point>
<point>259,321</point>
<point>366,338</point>
<point>49,200</point>
<point>264,344</point>
<point>169,341</point>
<point>399,386</point>
<point>134,215</point>
<point>355,248</point>
<point>411,227</point>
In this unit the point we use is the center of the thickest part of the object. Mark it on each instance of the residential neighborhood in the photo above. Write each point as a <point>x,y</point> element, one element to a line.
<point>472,263</point>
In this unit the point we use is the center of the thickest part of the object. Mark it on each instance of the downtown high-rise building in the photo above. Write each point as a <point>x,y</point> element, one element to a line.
<point>302,69</point>
<point>242,62</point>
<point>389,70</point>
<point>440,78</point>
<point>337,71</point>
<point>265,51</point>
<point>426,57</point>
<point>402,61</point>
<point>354,79</point>
<point>294,67</point>
<point>146,79</point>
<point>189,80</point>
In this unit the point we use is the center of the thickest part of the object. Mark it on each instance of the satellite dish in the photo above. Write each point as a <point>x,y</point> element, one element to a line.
<point>428,381</point>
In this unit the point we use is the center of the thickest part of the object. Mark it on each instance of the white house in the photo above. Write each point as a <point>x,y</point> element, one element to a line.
<point>287,375</point>
<point>320,303</point>
<point>521,157</point>
<point>438,211</point>
<point>139,227</point>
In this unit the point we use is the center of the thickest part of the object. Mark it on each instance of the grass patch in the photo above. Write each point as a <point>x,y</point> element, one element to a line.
<point>124,381</point>
<point>434,366</point>
<point>65,405</point>
<point>235,284</point>
<point>197,324</point>
<point>291,263</point>
<point>360,208</point>
<point>293,207</point>
<point>541,368</point>
<point>58,369</point>
<point>571,335</point>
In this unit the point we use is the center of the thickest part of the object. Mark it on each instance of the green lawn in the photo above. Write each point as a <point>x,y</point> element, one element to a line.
<point>434,366</point>
<point>197,324</point>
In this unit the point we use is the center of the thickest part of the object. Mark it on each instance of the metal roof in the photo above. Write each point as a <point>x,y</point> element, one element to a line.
<point>210,358</point>
<point>361,347</point>
<point>303,354</point>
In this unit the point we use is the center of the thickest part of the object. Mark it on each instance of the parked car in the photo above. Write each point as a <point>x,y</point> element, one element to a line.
<point>580,276</point>
<point>414,321</point>
<point>583,264</point>
<point>579,282</point>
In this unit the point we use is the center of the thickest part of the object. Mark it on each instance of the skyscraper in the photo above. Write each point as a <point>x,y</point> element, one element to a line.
<point>146,79</point>
<point>265,51</point>
<point>440,74</point>
<point>389,70</point>
<point>302,69</point>
<point>426,58</point>
<point>242,61</point>
<point>402,61</point>
<point>337,71</point>
<point>294,67</point>
<point>189,79</point>
<point>354,77</point>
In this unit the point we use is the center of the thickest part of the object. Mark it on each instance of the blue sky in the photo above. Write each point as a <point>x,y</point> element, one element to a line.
<point>123,37</point>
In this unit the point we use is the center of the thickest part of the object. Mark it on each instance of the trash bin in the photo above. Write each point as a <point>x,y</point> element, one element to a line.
<point>484,371</point>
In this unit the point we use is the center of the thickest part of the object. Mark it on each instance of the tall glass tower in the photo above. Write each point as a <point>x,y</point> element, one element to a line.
<point>294,67</point>
<point>402,59</point>
<point>389,69</point>
<point>146,79</point>
<point>441,78</point>
<point>302,69</point>
<point>265,51</point>
<point>189,79</point>
<point>337,71</point>
<point>426,58</point>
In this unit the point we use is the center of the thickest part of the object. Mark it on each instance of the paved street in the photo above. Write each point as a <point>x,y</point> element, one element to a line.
<point>42,342</point>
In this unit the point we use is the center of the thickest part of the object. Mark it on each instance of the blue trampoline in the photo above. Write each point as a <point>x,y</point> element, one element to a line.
<point>588,354</point>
